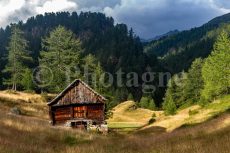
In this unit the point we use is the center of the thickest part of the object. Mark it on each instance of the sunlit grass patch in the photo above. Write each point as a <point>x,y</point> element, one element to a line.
<point>125,125</point>
<point>220,105</point>
<point>128,117</point>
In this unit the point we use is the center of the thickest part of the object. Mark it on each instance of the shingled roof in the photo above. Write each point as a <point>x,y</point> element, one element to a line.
<point>56,99</point>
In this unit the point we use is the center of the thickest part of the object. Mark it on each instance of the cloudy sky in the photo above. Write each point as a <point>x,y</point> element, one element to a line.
<point>147,17</point>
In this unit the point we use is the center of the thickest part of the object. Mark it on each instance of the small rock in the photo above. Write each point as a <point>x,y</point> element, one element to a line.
<point>16,111</point>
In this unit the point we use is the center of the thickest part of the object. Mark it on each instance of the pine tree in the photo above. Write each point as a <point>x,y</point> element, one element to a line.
<point>121,95</point>
<point>89,65</point>
<point>27,80</point>
<point>194,84</point>
<point>61,54</point>
<point>144,103</point>
<point>130,97</point>
<point>169,106</point>
<point>152,105</point>
<point>179,83</point>
<point>17,57</point>
<point>176,89</point>
<point>175,94</point>
<point>216,69</point>
<point>100,79</point>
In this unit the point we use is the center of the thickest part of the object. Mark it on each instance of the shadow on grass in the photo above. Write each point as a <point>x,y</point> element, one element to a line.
<point>72,141</point>
<point>214,118</point>
<point>155,130</point>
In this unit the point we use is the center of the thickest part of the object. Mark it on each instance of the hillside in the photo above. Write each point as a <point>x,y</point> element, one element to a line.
<point>127,116</point>
<point>33,105</point>
<point>194,115</point>
<point>32,133</point>
<point>177,52</point>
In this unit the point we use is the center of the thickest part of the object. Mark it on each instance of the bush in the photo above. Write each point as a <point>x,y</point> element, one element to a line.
<point>152,120</point>
<point>70,140</point>
<point>109,114</point>
<point>203,102</point>
<point>147,103</point>
<point>152,105</point>
<point>169,107</point>
<point>193,112</point>
<point>130,97</point>
<point>144,103</point>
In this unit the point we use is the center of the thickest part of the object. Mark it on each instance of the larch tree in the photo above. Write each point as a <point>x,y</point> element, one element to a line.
<point>100,78</point>
<point>194,84</point>
<point>95,73</point>
<point>216,69</point>
<point>17,57</point>
<point>169,104</point>
<point>61,55</point>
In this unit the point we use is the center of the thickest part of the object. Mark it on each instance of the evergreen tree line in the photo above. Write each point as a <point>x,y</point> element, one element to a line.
<point>63,44</point>
<point>206,80</point>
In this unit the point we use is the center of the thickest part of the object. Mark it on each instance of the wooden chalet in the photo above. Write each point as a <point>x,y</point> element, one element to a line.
<point>77,105</point>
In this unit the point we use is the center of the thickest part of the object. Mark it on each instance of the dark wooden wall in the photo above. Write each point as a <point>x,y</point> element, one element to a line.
<point>87,111</point>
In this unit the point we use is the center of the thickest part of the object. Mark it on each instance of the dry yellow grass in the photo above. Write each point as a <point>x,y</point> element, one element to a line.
<point>183,117</point>
<point>170,123</point>
<point>20,96</point>
<point>23,134</point>
<point>127,115</point>
<point>33,134</point>
<point>29,104</point>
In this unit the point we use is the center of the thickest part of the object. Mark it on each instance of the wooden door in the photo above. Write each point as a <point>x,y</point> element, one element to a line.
<point>80,112</point>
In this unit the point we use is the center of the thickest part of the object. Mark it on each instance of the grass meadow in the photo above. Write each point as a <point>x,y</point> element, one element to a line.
<point>31,133</point>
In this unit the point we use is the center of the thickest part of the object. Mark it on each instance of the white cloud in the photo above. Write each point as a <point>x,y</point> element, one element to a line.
<point>8,7</point>
<point>55,6</point>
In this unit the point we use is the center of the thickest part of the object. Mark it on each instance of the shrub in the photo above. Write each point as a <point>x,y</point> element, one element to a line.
<point>169,107</point>
<point>193,112</point>
<point>144,103</point>
<point>147,103</point>
<point>70,140</point>
<point>152,105</point>
<point>203,102</point>
<point>130,97</point>
<point>152,120</point>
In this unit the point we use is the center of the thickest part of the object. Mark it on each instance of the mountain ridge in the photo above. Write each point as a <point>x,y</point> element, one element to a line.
<point>170,33</point>
<point>177,52</point>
